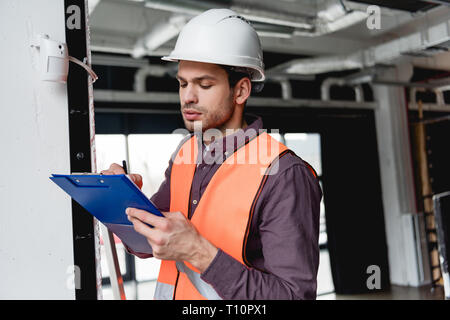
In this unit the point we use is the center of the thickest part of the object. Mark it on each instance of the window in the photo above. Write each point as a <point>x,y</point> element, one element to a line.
<point>307,146</point>
<point>148,155</point>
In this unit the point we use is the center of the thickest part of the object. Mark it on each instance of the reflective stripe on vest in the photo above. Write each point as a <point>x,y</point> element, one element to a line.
<point>204,288</point>
<point>223,213</point>
<point>164,291</point>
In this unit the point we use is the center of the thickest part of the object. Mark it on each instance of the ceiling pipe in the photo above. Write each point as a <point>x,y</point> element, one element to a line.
<point>438,93</point>
<point>430,36</point>
<point>160,71</point>
<point>286,87</point>
<point>266,23</point>
<point>327,83</point>
<point>194,8</point>
<point>359,93</point>
<point>274,18</point>
<point>333,18</point>
<point>440,61</point>
<point>159,35</point>
<point>330,19</point>
<point>117,61</point>
<point>187,7</point>
<point>311,66</point>
<point>144,72</point>
<point>172,97</point>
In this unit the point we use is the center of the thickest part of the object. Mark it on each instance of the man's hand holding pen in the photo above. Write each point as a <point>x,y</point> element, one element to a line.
<point>172,237</point>
<point>117,169</point>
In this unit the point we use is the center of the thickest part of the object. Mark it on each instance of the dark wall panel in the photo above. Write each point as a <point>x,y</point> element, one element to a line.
<point>353,201</point>
<point>352,190</point>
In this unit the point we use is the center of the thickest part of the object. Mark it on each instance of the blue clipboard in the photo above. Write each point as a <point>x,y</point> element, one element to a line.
<point>106,197</point>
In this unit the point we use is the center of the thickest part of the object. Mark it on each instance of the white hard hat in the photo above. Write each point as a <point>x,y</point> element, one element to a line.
<point>220,36</point>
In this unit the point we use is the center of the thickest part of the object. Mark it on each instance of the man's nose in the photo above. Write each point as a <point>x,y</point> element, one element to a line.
<point>189,95</point>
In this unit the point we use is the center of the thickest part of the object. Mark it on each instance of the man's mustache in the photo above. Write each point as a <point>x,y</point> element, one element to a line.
<point>193,107</point>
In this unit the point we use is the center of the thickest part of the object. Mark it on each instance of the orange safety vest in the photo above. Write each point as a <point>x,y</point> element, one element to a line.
<point>224,212</point>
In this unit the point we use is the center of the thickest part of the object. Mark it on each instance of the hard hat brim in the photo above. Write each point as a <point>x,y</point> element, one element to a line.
<point>257,76</point>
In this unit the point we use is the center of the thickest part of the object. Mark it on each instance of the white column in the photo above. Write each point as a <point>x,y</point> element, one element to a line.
<point>36,247</point>
<point>397,180</point>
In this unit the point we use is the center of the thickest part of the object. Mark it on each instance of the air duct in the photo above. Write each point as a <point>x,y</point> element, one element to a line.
<point>431,35</point>
<point>332,18</point>
<point>159,35</point>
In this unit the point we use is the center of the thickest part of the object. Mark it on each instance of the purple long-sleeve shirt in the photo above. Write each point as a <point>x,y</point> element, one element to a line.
<point>282,245</point>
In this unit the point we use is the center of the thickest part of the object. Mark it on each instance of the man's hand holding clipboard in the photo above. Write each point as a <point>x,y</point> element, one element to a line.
<point>117,169</point>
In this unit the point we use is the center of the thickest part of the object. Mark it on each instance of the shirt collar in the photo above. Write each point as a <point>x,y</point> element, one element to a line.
<point>230,143</point>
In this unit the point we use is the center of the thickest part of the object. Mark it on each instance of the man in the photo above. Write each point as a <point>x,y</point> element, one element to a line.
<point>232,230</point>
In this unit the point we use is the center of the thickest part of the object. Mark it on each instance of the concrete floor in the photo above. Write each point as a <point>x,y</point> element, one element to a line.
<point>147,269</point>
<point>395,293</point>
<point>145,291</point>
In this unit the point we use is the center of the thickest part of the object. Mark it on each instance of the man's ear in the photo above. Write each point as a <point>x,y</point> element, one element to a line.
<point>242,90</point>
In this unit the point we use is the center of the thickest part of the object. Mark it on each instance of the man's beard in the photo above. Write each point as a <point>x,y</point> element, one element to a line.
<point>209,120</point>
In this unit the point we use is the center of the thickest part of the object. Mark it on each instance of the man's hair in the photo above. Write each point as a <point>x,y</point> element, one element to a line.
<point>235,74</point>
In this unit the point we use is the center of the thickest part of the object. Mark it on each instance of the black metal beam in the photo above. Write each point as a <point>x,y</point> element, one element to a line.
<point>80,147</point>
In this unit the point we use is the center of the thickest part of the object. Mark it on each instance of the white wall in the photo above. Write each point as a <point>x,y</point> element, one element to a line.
<point>36,247</point>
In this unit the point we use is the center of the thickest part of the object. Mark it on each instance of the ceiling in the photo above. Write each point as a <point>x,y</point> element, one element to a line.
<point>406,5</point>
<point>327,32</point>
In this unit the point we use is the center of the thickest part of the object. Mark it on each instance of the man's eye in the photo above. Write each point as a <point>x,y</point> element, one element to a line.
<point>183,85</point>
<point>206,86</point>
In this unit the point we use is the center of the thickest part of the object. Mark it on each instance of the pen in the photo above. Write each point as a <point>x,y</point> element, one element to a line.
<point>124,165</point>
